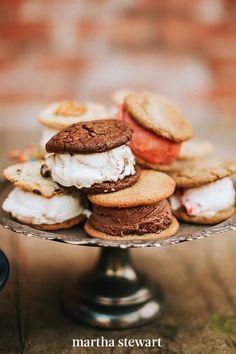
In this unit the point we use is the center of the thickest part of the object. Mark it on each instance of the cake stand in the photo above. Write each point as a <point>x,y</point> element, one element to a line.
<point>112,295</point>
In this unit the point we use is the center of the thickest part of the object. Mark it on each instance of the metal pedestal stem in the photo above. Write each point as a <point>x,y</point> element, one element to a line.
<point>113,295</point>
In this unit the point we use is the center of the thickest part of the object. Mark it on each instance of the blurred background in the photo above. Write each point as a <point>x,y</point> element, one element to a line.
<point>54,49</point>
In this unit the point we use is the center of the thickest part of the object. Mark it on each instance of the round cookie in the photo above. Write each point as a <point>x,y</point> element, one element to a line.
<point>196,149</point>
<point>60,115</point>
<point>151,187</point>
<point>217,218</point>
<point>27,177</point>
<point>90,137</point>
<point>108,187</point>
<point>190,174</point>
<point>59,226</point>
<point>158,115</point>
<point>170,231</point>
<point>63,225</point>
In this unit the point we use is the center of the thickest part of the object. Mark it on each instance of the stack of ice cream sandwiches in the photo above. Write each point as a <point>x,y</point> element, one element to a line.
<point>140,172</point>
<point>94,158</point>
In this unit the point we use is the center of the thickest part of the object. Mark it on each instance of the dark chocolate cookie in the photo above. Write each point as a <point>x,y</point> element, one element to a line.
<point>107,187</point>
<point>90,137</point>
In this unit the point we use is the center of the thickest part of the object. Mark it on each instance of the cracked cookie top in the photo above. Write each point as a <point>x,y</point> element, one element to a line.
<point>195,173</point>
<point>90,137</point>
<point>158,115</point>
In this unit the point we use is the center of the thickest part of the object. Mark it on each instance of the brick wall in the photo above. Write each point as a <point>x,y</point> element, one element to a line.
<point>51,49</point>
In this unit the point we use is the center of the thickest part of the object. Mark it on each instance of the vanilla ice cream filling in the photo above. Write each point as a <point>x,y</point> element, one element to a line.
<point>83,170</point>
<point>47,134</point>
<point>206,200</point>
<point>35,209</point>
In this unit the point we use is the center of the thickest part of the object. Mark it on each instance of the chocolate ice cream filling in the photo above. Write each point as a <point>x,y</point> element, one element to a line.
<point>152,218</point>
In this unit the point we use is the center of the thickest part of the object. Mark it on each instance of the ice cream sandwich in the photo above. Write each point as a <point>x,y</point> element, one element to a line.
<point>139,212</point>
<point>159,129</point>
<point>60,115</point>
<point>93,156</point>
<point>40,202</point>
<point>205,192</point>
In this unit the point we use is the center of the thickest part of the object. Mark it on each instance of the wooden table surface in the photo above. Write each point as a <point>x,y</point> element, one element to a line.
<point>197,279</point>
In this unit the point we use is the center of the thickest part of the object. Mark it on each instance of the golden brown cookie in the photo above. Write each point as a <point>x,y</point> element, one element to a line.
<point>170,231</point>
<point>151,187</point>
<point>196,149</point>
<point>158,115</point>
<point>217,218</point>
<point>27,177</point>
<point>190,174</point>
<point>60,226</point>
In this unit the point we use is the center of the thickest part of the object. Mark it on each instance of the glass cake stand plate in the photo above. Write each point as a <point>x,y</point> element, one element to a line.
<point>113,294</point>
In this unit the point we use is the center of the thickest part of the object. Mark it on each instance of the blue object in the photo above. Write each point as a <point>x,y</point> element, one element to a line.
<point>4,269</point>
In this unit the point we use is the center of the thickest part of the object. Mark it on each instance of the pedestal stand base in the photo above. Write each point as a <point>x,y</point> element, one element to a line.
<point>113,295</point>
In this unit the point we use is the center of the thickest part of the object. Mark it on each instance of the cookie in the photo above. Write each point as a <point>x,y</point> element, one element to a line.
<point>27,177</point>
<point>217,218</point>
<point>108,187</point>
<point>90,137</point>
<point>60,226</point>
<point>190,174</point>
<point>60,115</point>
<point>151,187</point>
<point>63,225</point>
<point>196,149</point>
<point>170,231</point>
<point>158,115</point>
